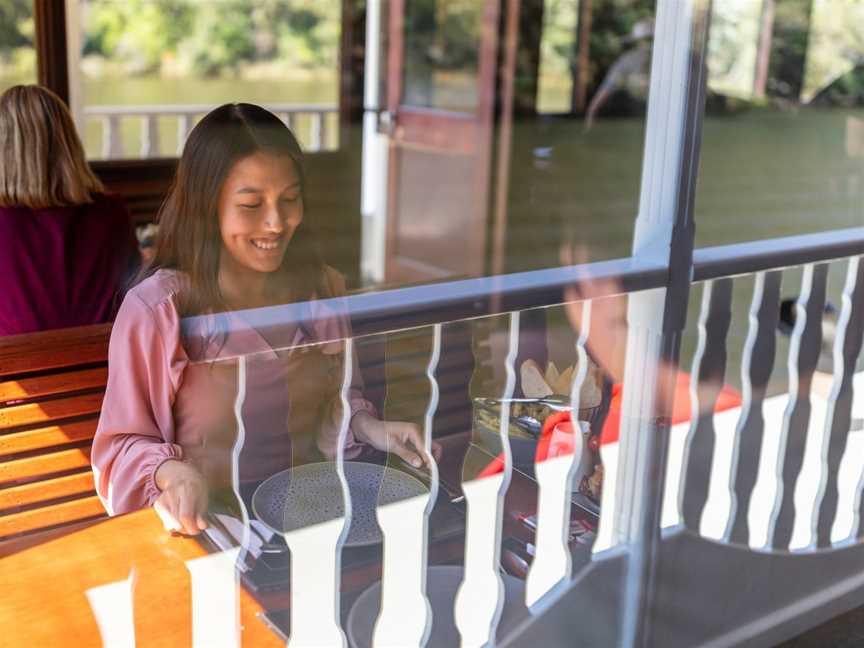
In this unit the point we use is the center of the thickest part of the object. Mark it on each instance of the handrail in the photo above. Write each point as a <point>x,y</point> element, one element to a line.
<point>425,305</point>
<point>771,254</point>
<point>194,109</point>
<point>416,306</point>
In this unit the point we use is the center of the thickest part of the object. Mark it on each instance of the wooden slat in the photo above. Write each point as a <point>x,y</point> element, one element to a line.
<point>53,384</point>
<point>49,411</point>
<point>29,521</point>
<point>54,349</point>
<point>804,350</point>
<point>47,437</point>
<point>709,369</point>
<point>79,484</point>
<point>850,335</point>
<point>34,467</point>
<point>758,362</point>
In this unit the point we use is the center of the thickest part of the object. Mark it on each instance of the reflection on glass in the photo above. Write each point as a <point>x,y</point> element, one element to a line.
<point>575,176</point>
<point>17,54</point>
<point>782,141</point>
<point>441,53</point>
<point>555,82</point>
<point>140,69</point>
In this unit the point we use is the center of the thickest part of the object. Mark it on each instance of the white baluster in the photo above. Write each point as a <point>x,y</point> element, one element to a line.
<point>215,600</point>
<point>182,131</point>
<point>324,131</point>
<point>692,446</point>
<point>735,466</point>
<point>242,369</point>
<point>555,476</point>
<point>316,133</point>
<point>406,616</point>
<point>480,598</point>
<point>316,552</point>
<point>113,608</point>
<point>115,138</point>
<point>679,443</point>
<point>106,137</point>
<point>805,488</point>
<point>150,136</point>
<point>844,405</point>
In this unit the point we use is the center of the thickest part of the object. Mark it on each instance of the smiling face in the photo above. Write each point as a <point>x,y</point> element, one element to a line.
<point>260,207</point>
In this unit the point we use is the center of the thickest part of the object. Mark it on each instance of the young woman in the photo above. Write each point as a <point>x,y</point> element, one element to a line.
<point>234,235</point>
<point>66,247</point>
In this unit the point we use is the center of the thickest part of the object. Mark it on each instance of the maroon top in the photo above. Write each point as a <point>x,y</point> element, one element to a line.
<point>63,266</point>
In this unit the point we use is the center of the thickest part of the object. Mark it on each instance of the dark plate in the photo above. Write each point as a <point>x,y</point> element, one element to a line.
<point>311,494</point>
<point>442,583</point>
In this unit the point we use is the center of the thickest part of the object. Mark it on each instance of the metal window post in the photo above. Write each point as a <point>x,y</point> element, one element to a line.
<point>664,232</point>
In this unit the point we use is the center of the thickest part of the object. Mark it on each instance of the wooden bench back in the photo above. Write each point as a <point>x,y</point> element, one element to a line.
<point>51,388</point>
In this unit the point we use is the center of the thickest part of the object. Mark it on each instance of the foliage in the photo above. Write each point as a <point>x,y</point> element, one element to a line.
<point>16,24</point>
<point>560,18</point>
<point>210,38</point>
<point>137,32</point>
<point>442,35</point>
<point>835,54</point>
<point>789,48</point>
<point>16,39</point>
<point>611,23</point>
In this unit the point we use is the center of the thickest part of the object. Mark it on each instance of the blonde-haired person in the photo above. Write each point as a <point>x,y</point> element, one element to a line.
<point>66,246</point>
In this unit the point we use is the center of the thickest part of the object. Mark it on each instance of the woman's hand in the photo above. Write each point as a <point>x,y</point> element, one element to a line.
<point>402,439</point>
<point>183,501</point>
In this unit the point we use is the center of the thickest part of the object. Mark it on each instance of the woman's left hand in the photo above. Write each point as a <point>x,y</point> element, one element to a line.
<point>402,439</point>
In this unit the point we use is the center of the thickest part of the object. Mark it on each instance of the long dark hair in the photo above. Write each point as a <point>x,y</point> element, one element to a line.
<point>189,239</point>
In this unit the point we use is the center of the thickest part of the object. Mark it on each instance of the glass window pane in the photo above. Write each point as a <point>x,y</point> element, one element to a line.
<point>783,137</point>
<point>17,54</point>
<point>557,56</point>
<point>148,69</point>
<point>442,40</point>
<point>576,177</point>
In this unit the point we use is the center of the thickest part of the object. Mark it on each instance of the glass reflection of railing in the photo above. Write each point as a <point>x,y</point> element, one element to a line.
<point>483,596</point>
<point>781,471</point>
<point>774,478</point>
<point>314,124</point>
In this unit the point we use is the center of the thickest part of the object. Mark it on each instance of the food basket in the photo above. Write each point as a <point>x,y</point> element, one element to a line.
<point>524,429</point>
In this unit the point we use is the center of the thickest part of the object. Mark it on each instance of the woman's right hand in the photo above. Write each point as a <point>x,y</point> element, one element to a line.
<point>183,501</point>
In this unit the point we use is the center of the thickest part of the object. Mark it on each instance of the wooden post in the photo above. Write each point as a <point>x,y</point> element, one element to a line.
<point>49,17</point>
<point>505,134</point>
<point>763,49</point>
<point>789,47</point>
<point>528,58</point>
<point>583,60</point>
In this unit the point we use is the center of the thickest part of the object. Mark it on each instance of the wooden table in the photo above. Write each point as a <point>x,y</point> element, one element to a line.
<point>43,600</point>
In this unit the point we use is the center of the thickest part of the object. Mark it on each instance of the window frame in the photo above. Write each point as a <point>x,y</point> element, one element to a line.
<point>52,65</point>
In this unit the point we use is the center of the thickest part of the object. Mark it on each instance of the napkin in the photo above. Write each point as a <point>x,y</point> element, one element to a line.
<point>228,534</point>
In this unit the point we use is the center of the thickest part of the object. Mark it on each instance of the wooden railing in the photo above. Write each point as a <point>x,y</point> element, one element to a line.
<point>762,504</point>
<point>314,125</point>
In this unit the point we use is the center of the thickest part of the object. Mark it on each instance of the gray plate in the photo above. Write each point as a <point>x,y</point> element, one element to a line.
<point>312,494</point>
<point>442,583</point>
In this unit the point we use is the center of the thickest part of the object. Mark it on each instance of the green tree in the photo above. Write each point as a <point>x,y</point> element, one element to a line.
<point>136,33</point>
<point>222,37</point>
<point>212,37</point>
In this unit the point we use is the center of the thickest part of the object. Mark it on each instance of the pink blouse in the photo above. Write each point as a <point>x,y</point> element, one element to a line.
<point>160,404</point>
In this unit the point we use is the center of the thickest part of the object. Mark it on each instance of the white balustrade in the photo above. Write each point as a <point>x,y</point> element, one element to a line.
<point>314,138</point>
